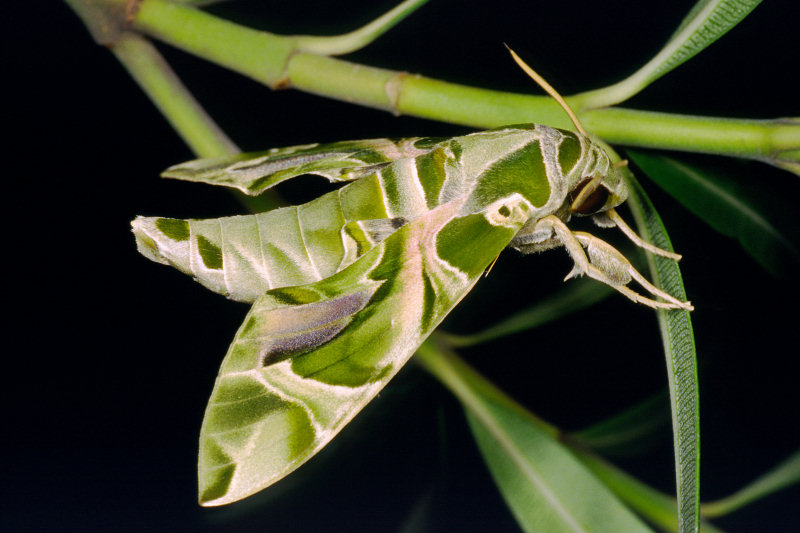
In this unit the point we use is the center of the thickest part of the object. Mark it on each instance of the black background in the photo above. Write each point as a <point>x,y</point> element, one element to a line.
<point>110,358</point>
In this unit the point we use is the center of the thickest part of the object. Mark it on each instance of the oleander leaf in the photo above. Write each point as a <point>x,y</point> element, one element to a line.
<point>656,507</point>
<point>706,22</point>
<point>783,475</point>
<point>730,207</point>
<point>681,357</point>
<point>546,487</point>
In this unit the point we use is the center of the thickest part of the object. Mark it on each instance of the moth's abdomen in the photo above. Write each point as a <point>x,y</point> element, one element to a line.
<point>242,257</point>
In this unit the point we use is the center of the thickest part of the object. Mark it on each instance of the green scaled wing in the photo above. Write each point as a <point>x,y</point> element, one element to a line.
<point>308,358</point>
<point>253,173</point>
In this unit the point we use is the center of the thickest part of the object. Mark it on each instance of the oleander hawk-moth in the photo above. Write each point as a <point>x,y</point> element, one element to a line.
<point>346,287</point>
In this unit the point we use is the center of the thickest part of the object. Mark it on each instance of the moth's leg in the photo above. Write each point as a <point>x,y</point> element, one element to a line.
<point>612,218</point>
<point>612,261</point>
<point>602,262</point>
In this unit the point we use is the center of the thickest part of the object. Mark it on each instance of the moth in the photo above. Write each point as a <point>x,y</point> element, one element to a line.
<point>346,287</point>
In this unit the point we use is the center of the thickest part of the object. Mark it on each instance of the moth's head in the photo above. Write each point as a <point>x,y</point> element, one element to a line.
<point>601,188</point>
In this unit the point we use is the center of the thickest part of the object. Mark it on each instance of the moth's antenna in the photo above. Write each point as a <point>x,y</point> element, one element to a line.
<point>549,89</point>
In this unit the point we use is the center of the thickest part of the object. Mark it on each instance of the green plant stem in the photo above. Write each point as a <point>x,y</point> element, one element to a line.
<point>105,19</point>
<point>755,139</point>
<point>278,62</point>
<point>171,97</point>
<point>180,108</point>
<point>259,55</point>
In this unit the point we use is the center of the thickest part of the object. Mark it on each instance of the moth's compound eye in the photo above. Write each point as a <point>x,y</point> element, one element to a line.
<point>504,211</point>
<point>589,203</point>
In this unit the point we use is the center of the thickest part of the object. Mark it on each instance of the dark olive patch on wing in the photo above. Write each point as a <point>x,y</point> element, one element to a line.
<point>175,229</point>
<point>295,295</point>
<point>210,253</point>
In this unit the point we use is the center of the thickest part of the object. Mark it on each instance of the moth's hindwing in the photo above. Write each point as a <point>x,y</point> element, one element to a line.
<point>309,358</point>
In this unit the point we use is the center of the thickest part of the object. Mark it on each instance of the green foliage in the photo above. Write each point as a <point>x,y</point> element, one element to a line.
<point>706,22</point>
<point>747,214</point>
<point>679,347</point>
<point>544,484</point>
<point>549,482</point>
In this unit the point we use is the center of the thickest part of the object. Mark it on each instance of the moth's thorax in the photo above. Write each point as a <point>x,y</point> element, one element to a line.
<point>536,164</point>
<point>519,159</point>
<point>575,163</point>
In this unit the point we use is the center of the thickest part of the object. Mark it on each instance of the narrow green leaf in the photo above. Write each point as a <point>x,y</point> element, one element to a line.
<point>573,297</point>
<point>657,507</point>
<point>784,475</point>
<point>726,207</point>
<point>707,21</point>
<point>628,431</point>
<point>679,348</point>
<point>545,486</point>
